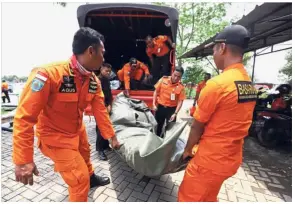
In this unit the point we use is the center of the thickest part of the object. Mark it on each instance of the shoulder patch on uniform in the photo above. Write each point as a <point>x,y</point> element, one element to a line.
<point>42,76</point>
<point>37,85</point>
<point>246,91</point>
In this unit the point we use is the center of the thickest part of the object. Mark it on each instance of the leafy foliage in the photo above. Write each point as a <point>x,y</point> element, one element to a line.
<point>63,4</point>
<point>193,74</point>
<point>286,71</point>
<point>14,78</point>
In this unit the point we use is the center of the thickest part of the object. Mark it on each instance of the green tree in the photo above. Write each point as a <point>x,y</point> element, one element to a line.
<point>286,71</point>
<point>193,74</point>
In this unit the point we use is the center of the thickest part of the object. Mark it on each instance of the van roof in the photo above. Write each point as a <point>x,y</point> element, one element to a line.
<point>172,13</point>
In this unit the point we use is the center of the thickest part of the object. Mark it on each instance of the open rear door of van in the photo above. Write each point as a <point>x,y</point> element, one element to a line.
<point>125,27</point>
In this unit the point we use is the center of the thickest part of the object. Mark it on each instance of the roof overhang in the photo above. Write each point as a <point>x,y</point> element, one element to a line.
<point>268,24</point>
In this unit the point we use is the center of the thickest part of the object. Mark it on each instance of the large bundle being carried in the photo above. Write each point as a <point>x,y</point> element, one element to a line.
<point>141,148</point>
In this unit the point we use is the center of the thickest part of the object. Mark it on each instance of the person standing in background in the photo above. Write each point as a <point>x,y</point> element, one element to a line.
<point>200,86</point>
<point>5,94</point>
<point>168,98</point>
<point>101,143</point>
<point>158,50</point>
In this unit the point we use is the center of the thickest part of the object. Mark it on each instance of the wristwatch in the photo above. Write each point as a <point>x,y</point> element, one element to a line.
<point>175,113</point>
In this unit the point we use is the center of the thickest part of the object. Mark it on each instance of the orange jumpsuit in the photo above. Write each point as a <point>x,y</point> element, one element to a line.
<point>4,86</point>
<point>54,98</point>
<point>160,48</point>
<point>226,107</point>
<point>200,86</point>
<point>125,74</point>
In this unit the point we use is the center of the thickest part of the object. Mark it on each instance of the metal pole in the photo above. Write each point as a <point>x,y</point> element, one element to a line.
<point>253,69</point>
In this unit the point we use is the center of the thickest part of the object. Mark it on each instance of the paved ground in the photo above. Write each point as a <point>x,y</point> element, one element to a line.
<point>265,176</point>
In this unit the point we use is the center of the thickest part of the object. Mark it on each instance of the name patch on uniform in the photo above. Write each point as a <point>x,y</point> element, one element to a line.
<point>246,91</point>
<point>92,86</point>
<point>68,85</point>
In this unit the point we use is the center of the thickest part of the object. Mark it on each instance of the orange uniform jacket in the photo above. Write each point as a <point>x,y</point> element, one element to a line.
<point>165,88</point>
<point>4,86</point>
<point>125,74</point>
<point>55,99</point>
<point>160,48</point>
<point>226,106</point>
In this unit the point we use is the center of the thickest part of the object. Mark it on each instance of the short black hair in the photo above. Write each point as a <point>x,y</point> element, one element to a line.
<point>148,37</point>
<point>84,38</point>
<point>236,50</point>
<point>3,80</point>
<point>180,69</point>
<point>133,60</point>
<point>208,74</point>
<point>107,65</point>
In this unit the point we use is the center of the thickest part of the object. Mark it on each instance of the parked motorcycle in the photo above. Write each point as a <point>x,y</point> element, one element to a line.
<point>272,118</point>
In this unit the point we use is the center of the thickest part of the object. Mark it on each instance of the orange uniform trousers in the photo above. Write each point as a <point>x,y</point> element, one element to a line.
<point>73,165</point>
<point>200,185</point>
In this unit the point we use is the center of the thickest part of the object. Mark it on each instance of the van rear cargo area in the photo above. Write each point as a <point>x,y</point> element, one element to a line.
<point>125,30</point>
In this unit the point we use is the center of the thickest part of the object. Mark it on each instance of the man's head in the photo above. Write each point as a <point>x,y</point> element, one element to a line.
<point>177,74</point>
<point>149,41</point>
<point>207,76</point>
<point>133,63</point>
<point>106,70</point>
<point>89,48</point>
<point>229,46</point>
<point>3,81</point>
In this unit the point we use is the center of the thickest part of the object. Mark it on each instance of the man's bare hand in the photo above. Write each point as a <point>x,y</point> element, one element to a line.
<point>115,143</point>
<point>172,118</point>
<point>126,93</point>
<point>187,154</point>
<point>155,107</point>
<point>24,173</point>
<point>109,108</point>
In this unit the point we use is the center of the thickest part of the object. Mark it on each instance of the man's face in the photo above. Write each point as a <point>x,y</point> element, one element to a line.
<point>133,66</point>
<point>95,57</point>
<point>218,55</point>
<point>106,72</point>
<point>175,77</point>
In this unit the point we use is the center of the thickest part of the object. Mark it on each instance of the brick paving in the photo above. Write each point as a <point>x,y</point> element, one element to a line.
<point>253,182</point>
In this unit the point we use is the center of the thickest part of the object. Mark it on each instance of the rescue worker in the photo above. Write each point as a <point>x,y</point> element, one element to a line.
<point>168,98</point>
<point>221,120</point>
<point>54,98</point>
<point>200,86</point>
<point>133,74</point>
<point>158,50</point>
<point>5,94</point>
<point>101,143</point>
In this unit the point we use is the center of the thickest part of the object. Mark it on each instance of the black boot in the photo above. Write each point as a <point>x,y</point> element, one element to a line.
<point>102,155</point>
<point>98,181</point>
